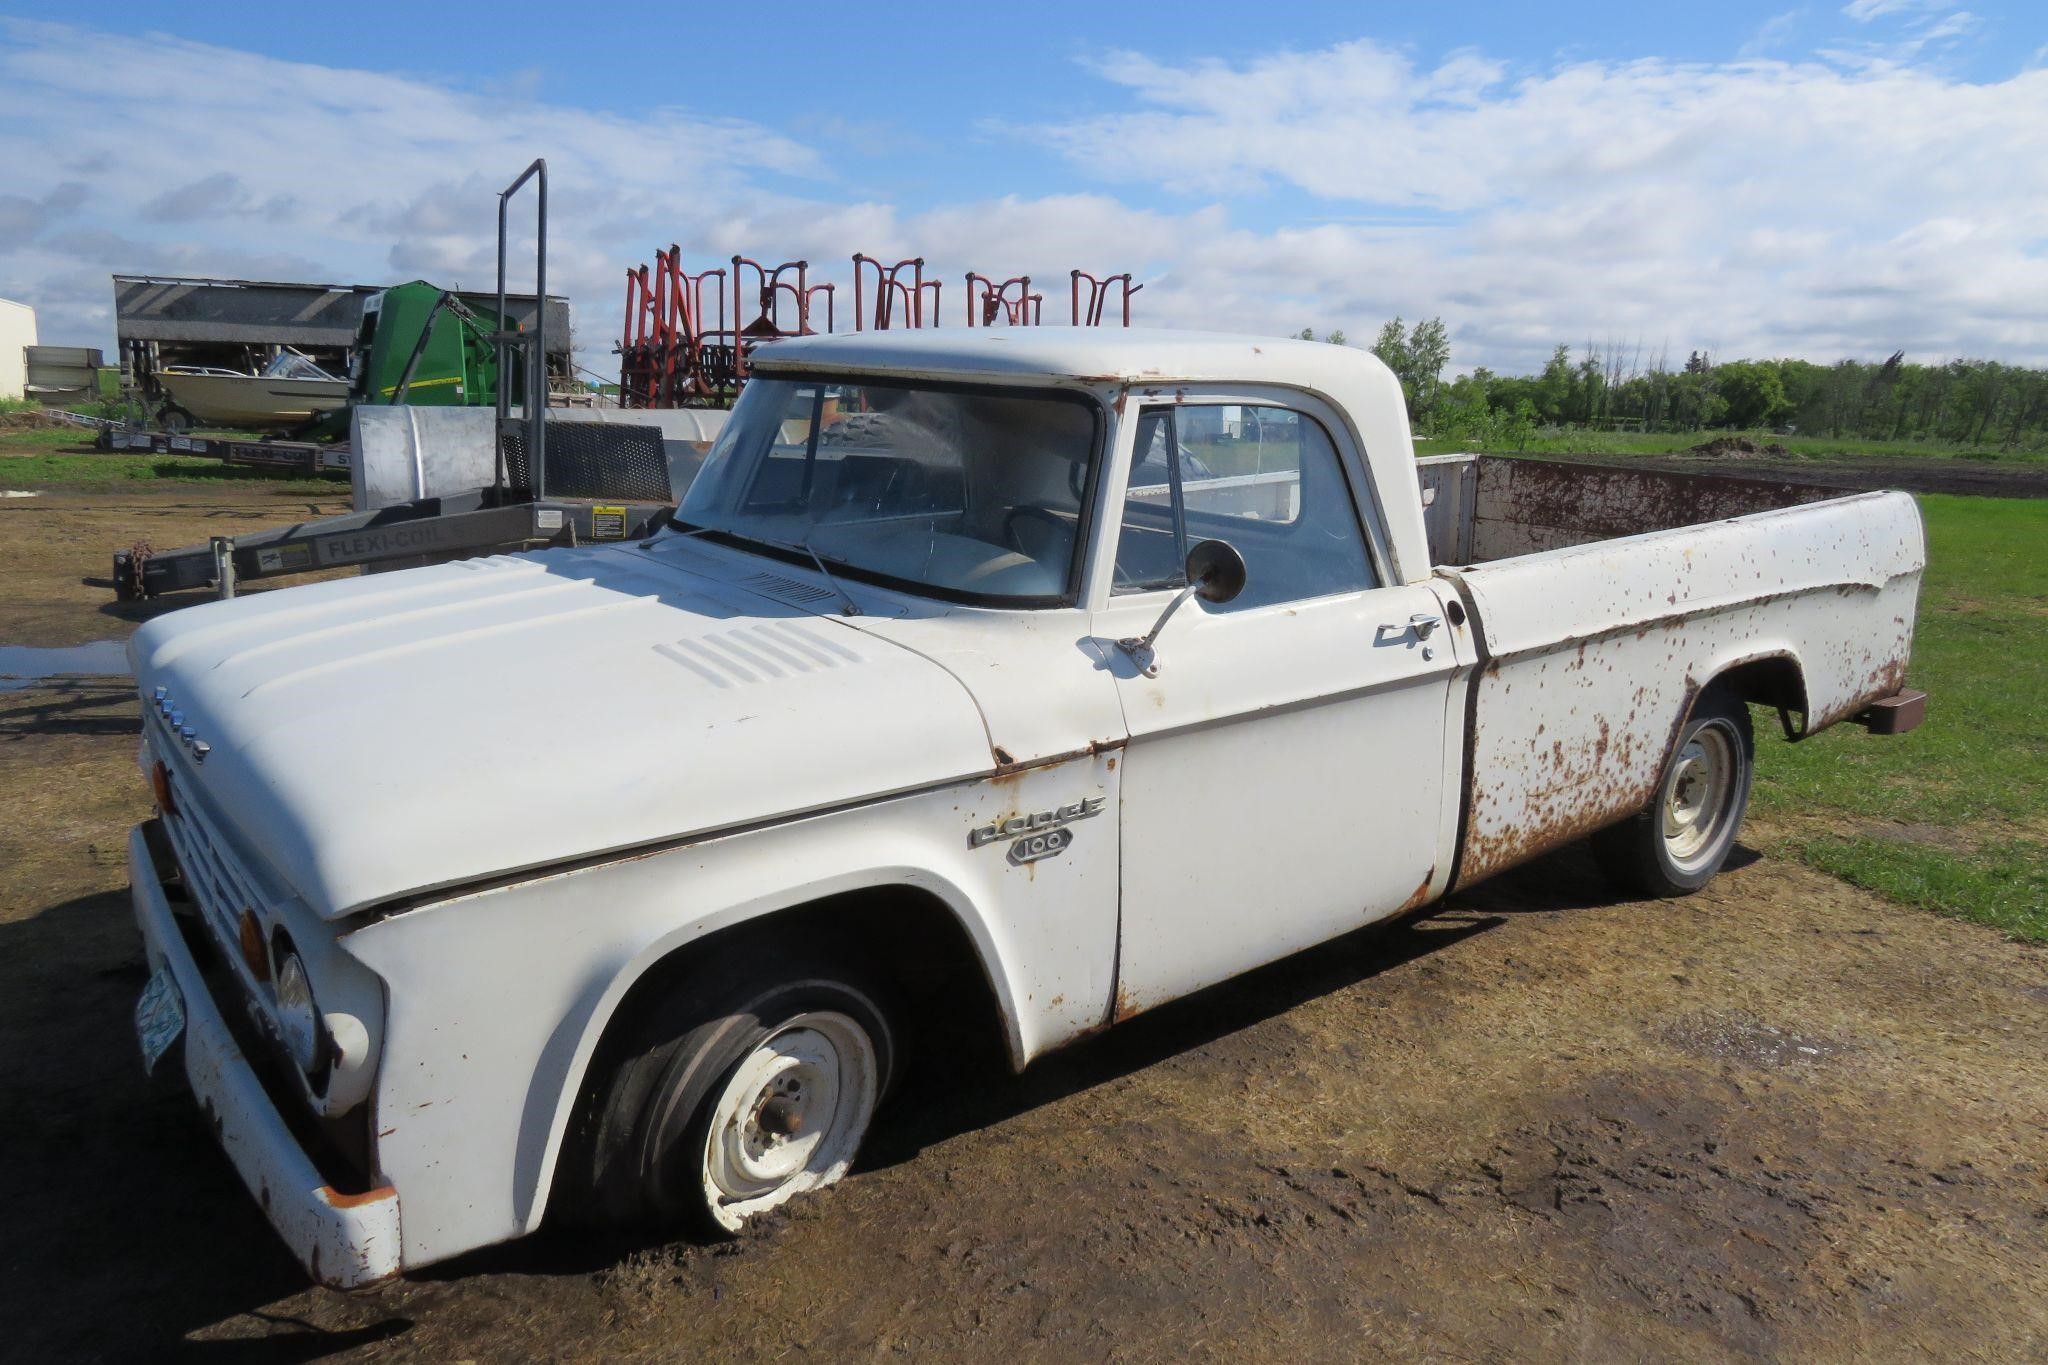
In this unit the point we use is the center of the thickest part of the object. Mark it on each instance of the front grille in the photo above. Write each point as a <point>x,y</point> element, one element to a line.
<point>339,1147</point>
<point>216,878</point>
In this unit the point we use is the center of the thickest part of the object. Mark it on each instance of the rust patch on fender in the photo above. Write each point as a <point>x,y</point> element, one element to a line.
<point>1008,766</point>
<point>1574,788</point>
<point>334,1198</point>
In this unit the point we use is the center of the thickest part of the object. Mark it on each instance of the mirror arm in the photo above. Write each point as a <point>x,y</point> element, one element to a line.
<point>1140,650</point>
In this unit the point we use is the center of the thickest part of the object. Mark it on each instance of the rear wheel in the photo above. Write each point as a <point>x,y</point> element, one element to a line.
<point>174,419</point>
<point>742,1088</point>
<point>1676,844</point>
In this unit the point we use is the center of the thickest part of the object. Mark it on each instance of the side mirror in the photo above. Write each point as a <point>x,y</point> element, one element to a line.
<point>1215,573</point>
<point>1216,570</point>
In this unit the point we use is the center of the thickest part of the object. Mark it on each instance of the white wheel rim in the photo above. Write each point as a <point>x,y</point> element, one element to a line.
<point>791,1116</point>
<point>1697,795</point>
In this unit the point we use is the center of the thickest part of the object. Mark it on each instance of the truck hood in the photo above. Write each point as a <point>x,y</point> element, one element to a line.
<point>378,737</point>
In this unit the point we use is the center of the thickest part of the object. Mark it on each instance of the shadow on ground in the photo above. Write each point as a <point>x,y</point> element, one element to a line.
<point>126,1227</point>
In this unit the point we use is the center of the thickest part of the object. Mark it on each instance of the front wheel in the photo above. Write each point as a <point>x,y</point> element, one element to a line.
<point>1676,844</point>
<point>735,1093</point>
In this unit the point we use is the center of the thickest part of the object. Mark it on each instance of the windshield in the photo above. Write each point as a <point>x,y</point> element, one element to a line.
<point>292,365</point>
<point>974,496</point>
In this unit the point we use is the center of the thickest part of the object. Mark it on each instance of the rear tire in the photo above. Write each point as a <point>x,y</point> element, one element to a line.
<point>749,1082</point>
<point>1675,845</point>
<point>174,419</point>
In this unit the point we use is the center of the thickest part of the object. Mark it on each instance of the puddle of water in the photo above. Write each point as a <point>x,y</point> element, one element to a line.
<point>25,666</point>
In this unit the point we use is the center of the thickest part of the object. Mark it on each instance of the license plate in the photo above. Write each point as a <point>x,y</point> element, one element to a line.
<point>159,1018</point>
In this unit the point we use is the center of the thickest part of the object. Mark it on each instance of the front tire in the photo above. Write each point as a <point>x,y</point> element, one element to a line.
<point>1675,845</point>
<point>744,1086</point>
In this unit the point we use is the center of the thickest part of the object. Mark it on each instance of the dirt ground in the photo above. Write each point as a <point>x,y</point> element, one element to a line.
<point>1780,1119</point>
<point>57,550</point>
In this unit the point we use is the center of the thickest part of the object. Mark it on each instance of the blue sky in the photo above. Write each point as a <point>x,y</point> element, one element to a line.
<point>1820,180</point>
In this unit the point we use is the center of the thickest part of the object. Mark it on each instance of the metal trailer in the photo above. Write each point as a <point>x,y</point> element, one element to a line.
<point>418,532</point>
<point>432,496</point>
<point>597,480</point>
<point>310,457</point>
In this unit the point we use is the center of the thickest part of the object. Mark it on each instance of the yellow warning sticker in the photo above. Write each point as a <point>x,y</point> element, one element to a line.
<point>607,523</point>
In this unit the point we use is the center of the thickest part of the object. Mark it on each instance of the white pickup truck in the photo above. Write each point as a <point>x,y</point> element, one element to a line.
<point>1010,681</point>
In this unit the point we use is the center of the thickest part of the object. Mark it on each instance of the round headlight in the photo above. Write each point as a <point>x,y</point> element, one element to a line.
<point>298,1018</point>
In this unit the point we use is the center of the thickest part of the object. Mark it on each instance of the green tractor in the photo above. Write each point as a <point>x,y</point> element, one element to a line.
<point>419,344</point>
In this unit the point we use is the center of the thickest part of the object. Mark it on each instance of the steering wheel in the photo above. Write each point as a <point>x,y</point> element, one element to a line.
<point>1029,512</point>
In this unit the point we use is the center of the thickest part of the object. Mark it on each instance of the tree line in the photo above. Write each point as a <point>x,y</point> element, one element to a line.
<point>1965,402</point>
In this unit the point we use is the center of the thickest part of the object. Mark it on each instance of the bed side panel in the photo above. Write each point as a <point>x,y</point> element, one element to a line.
<point>1529,506</point>
<point>1597,653</point>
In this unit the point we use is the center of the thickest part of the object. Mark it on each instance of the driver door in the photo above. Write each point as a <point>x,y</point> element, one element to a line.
<point>1285,779</point>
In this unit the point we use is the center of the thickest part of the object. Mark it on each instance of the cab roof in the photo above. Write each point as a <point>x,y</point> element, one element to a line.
<point>1125,354</point>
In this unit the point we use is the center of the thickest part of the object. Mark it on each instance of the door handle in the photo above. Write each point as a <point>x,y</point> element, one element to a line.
<point>1424,624</point>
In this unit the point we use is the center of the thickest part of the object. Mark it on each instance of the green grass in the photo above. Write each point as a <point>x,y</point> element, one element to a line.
<point>2003,885</point>
<point>51,438</point>
<point>56,460</point>
<point>1583,442</point>
<point>1975,775</point>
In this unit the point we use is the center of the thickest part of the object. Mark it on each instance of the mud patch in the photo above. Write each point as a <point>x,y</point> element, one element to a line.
<point>1738,447</point>
<point>1648,1192</point>
<point>1747,1039</point>
<point>1923,836</point>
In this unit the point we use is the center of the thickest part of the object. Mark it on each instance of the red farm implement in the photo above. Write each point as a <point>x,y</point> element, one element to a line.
<point>688,337</point>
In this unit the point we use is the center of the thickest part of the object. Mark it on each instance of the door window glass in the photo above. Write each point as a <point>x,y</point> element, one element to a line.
<point>1264,478</point>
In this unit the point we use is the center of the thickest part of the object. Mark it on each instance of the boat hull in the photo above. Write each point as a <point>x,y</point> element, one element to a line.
<point>252,400</point>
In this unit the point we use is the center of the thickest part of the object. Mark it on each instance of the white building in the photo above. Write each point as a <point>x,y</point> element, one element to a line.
<point>17,334</point>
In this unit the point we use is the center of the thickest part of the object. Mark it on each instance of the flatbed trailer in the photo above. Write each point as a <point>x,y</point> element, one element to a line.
<point>310,457</point>
<point>420,532</point>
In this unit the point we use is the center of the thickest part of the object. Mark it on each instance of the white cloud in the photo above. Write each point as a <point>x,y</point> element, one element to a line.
<point>1863,11</point>
<point>264,165</point>
<point>1768,206</point>
<point>1772,34</point>
<point>1917,27</point>
<point>1814,208</point>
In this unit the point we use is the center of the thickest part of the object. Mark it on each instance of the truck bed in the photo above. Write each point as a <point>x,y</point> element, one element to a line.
<point>1479,508</point>
<point>1603,600</point>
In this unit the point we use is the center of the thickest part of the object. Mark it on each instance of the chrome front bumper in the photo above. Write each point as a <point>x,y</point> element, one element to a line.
<point>343,1240</point>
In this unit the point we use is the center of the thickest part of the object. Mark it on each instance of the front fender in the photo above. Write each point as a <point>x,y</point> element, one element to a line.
<point>500,998</point>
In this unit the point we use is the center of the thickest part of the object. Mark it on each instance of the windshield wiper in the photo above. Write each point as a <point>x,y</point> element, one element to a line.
<point>847,606</point>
